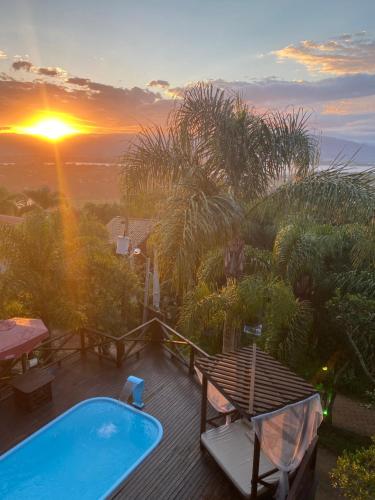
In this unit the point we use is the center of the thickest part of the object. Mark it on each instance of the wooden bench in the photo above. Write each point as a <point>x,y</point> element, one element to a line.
<point>32,389</point>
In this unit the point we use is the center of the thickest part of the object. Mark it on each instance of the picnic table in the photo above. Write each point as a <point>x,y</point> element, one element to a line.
<point>32,389</point>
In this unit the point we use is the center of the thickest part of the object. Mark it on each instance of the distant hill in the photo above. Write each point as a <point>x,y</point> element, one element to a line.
<point>331,147</point>
<point>90,170</point>
<point>94,148</point>
<point>108,148</point>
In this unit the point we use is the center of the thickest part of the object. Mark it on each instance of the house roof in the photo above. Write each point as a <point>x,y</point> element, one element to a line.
<point>10,219</point>
<point>138,230</point>
<point>254,384</point>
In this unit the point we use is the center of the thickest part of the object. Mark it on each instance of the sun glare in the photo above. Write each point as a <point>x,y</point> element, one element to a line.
<point>52,128</point>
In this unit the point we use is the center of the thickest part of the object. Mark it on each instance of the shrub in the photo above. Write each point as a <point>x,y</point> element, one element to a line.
<point>354,473</point>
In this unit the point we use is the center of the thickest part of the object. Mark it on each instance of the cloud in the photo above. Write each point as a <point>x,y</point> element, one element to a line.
<point>177,92</point>
<point>26,65</point>
<point>158,83</point>
<point>348,54</point>
<point>342,106</point>
<point>3,55</point>
<point>271,92</point>
<point>107,108</point>
<point>345,107</point>
<point>50,71</point>
<point>76,80</point>
<point>22,64</point>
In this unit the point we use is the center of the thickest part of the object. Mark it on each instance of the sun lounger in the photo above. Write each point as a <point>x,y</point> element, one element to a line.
<point>232,447</point>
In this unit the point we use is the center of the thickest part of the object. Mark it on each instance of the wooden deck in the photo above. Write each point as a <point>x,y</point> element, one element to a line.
<point>177,469</point>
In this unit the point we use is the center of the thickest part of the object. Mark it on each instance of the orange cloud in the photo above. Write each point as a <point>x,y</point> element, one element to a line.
<point>101,108</point>
<point>344,55</point>
<point>344,107</point>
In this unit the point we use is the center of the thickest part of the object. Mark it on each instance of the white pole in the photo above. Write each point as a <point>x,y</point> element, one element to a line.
<point>155,284</point>
<point>147,284</point>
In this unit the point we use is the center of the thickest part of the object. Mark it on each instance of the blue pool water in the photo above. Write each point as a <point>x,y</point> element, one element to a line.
<point>83,454</point>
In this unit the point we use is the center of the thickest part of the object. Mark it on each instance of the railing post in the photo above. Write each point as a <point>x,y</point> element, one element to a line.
<point>147,284</point>
<point>24,362</point>
<point>119,353</point>
<point>204,404</point>
<point>82,334</point>
<point>255,474</point>
<point>191,361</point>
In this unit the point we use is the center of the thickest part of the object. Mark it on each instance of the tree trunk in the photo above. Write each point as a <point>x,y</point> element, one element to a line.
<point>234,259</point>
<point>229,338</point>
<point>234,264</point>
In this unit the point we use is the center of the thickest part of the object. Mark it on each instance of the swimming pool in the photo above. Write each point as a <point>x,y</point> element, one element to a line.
<point>85,453</point>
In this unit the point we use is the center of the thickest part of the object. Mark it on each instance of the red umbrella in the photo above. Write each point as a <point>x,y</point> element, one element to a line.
<point>19,336</point>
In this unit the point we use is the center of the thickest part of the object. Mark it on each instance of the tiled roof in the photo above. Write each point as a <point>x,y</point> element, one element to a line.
<point>254,382</point>
<point>10,219</point>
<point>138,230</point>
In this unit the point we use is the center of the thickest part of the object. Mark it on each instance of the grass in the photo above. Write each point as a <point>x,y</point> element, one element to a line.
<point>337,440</point>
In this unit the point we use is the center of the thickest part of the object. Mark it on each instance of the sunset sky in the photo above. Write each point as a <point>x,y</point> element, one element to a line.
<point>115,65</point>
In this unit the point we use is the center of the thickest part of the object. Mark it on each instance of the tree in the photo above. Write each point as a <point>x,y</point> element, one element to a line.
<point>7,202</point>
<point>67,276</point>
<point>320,263</point>
<point>32,254</point>
<point>104,212</point>
<point>44,198</point>
<point>217,164</point>
<point>214,156</point>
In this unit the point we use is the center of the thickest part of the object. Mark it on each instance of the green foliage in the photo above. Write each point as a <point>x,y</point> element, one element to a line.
<point>361,282</point>
<point>354,474</point>
<point>257,261</point>
<point>334,195</point>
<point>44,198</point>
<point>34,272</point>
<point>64,272</point>
<point>214,156</point>
<point>253,300</point>
<point>211,269</point>
<point>354,316</point>
<point>237,190</point>
<point>7,202</point>
<point>197,218</point>
<point>104,212</point>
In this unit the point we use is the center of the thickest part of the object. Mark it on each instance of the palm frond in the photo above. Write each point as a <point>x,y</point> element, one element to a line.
<point>197,218</point>
<point>257,261</point>
<point>361,282</point>
<point>211,268</point>
<point>335,195</point>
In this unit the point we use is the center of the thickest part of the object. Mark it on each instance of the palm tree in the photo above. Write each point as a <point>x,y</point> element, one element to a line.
<point>216,161</point>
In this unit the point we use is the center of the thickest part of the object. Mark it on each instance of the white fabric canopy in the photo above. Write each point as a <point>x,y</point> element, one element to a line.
<point>286,434</point>
<point>215,398</point>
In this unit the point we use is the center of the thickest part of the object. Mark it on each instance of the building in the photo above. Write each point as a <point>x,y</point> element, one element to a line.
<point>138,230</point>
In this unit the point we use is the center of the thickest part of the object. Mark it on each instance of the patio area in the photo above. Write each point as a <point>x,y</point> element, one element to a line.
<point>177,468</point>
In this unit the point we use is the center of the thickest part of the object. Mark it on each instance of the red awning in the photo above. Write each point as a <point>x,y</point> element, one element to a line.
<point>20,336</point>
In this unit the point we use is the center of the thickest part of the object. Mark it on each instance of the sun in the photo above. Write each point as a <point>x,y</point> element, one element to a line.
<point>51,127</point>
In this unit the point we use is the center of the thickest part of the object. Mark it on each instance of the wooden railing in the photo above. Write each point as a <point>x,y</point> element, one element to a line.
<point>51,352</point>
<point>118,349</point>
<point>105,346</point>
